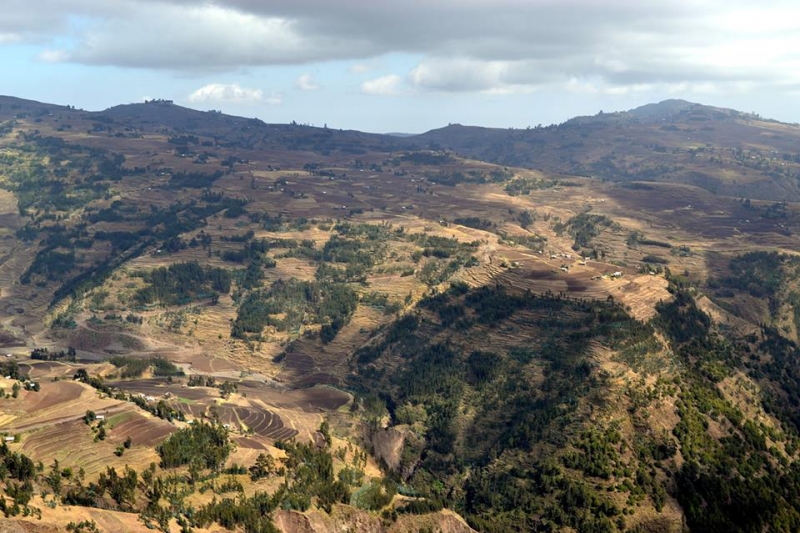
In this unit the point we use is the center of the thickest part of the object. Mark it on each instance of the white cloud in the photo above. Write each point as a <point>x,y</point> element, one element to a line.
<point>359,68</point>
<point>462,74</point>
<point>52,56</point>
<point>274,99</point>
<point>231,93</point>
<point>306,83</point>
<point>6,38</point>
<point>383,86</point>
<point>204,37</point>
<point>492,46</point>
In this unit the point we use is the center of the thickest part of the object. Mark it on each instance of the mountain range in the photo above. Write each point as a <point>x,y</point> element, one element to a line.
<point>213,323</point>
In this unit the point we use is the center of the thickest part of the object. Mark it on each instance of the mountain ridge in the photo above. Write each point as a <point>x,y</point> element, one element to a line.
<point>722,150</point>
<point>655,110</point>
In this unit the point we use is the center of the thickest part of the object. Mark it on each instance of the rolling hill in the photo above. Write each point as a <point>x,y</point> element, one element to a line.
<point>723,151</point>
<point>584,327</point>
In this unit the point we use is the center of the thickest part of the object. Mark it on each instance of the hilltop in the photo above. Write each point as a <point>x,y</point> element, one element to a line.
<point>724,151</point>
<point>721,150</point>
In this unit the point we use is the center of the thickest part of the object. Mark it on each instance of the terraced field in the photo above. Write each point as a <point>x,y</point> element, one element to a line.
<point>260,421</point>
<point>143,429</point>
<point>311,400</point>
<point>73,444</point>
<point>56,402</point>
<point>269,412</point>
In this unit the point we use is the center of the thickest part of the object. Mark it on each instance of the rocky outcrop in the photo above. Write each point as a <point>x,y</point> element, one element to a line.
<point>345,518</point>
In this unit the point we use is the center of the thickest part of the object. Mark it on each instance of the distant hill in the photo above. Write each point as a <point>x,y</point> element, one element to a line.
<point>164,116</point>
<point>722,150</point>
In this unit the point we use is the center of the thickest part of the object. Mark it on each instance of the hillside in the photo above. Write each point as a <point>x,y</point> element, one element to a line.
<point>721,150</point>
<point>543,413</point>
<point>469,329</point>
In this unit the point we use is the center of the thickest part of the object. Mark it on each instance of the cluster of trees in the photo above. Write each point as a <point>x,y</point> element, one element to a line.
<point>181,283</point>
<point>43,354</point>
<point>585,227</point>
<point>251,514</point>
<point>441,247</point>
<point>253,252</point>
<point>287,305</point>
<point>523,186</point>
<point>120,240</point>
<point>307,471</point>
<point>475,222</point>
<point>308,479</point>
<point>637,238</point>
<point>193,180</point>
<point>50,264</point>
<point>761,274</point>
<point>112,488</point>
<point>17,472</point>
<point>134,367</point>
<point>226,388</point>
<point>200,446</point>
<point>11,369</point>
<point>161,409</point>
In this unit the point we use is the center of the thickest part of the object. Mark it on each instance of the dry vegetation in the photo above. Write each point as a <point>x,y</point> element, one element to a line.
<point>410,223</point>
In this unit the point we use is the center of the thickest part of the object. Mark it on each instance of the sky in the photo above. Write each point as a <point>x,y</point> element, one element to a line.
<point>405,65</point>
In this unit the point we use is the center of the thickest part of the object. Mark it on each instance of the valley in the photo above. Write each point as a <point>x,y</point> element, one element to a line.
<point>584,327</point>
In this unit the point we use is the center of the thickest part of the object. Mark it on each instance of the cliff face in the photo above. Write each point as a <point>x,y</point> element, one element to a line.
<point>352,520</point>
<point>343,518</point>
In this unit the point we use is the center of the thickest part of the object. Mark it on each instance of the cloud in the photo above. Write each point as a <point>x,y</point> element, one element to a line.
<point>52,56</point>
<point>461,74</point>
<point>274,99</point>
<point>306,83</point>
<point>359,68</point>
<point>485,45</point>
<point>9,37</point>
<point>383,86</point>
<point>203,37</point>
<point>231,93</point>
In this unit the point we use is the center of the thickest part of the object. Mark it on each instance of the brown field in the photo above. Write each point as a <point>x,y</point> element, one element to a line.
<point>310,400</point>
<point>46,369</point>
<point>267,412</point>
<point>56,401</point>
<point>50,426</point>
<point>72,444</point>
<point>143,429</point>
<point>259,421</point>
<point>55,520</point>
